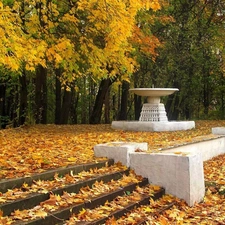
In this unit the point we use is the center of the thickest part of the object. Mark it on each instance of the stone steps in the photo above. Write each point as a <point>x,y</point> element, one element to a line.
<point>144,200</point>
<point>6,184</point>
<point>117,180</point>
<point>145,214</point>
<point>36,198</point>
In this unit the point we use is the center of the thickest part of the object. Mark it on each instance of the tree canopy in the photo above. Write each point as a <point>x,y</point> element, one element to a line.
<point>81,37</point>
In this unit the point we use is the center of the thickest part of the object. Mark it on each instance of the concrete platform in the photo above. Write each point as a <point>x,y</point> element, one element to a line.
<point>153,126</point>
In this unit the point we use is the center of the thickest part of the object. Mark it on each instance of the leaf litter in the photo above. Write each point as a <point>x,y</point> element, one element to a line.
<point>34,149</point>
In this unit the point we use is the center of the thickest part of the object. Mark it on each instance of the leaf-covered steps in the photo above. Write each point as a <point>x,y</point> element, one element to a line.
<point>59,207</point>
<point>6,184</point>
<point>60,215</point>
<point>113,180</point>
<point>31,193</point>
<point>145,214</point>
<point>118,207</point>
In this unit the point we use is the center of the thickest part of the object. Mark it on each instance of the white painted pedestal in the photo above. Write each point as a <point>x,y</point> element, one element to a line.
<point>153,113</point>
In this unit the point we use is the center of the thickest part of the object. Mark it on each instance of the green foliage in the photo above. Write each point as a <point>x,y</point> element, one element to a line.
<point>188,59</point>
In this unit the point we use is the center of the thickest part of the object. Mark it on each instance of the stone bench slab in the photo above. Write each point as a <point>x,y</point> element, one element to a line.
<point>218,130</point>
<point>119,151</point>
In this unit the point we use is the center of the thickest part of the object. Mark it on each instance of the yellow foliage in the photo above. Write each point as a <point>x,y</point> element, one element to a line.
<point>94,34</point>
<point>112,22</point>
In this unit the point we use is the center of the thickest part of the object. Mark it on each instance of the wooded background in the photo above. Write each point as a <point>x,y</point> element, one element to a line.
<point>73,61</point>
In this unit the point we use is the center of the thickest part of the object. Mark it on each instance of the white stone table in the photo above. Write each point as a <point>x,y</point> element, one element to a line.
<point>153,110</point>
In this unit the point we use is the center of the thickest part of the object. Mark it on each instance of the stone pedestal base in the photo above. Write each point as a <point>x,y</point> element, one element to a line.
<point>153,126</point>
<point>153,113</point>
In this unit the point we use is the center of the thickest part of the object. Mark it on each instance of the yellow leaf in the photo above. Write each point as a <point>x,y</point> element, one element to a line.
<point>156,187</point>
<point>82,212</point>
<point>72,159</point>
<point>178,153</point>
<point>41,213</point>
<point>148,209</point>
<point>154,5</point>
<point>163,221</point>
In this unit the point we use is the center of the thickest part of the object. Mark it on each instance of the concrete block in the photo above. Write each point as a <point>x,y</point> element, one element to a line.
<point>180,175</point>
<point>119,151</point>
<point>207,149</point>
<point>218,130</point>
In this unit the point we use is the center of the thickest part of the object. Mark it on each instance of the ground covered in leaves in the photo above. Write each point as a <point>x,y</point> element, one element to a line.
<point>32,149</point>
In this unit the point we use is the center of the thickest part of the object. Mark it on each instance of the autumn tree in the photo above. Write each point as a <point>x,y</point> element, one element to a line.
<point>109,47</point>
<point>78,38</point>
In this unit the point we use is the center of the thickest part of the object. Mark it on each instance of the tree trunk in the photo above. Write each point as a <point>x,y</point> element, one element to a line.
<point>3,119</point>
<point>206,101</point>
<point>41,95</point>
<point>74,104</point>
<point>137,106</point>
<point>66,107</point>
<point>84,105</point>
<point>124,101</point>
<point>92,93</point>
<point>95,117</point>
<point>107,107</point>
<point>12,105</point>
<point>172,107</point>
<point>118,101</point>
<point>57,96</point>
<point>23,100</point>
<point>187,112</point>
<point>222,107</point>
